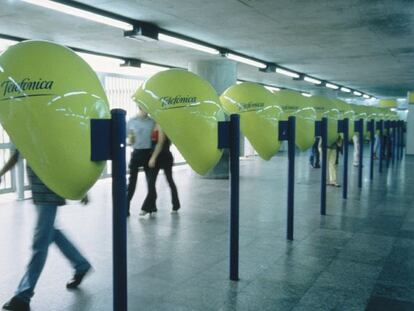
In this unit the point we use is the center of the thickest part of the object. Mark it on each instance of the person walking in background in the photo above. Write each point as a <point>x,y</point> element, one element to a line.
<point>47,203</point>
<point>376,145</point>
<point>332,166</point>
<point>162,158</point>
<point>315,154</point>
<point>139,136</point>
<point>339,151</point>
<point>355,139</point>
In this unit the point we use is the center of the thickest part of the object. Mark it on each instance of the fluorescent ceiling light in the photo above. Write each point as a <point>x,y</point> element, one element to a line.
<point>357,93</point>
<point>287,73</point>
<point>306,94</point>
<point>312,80</point>
<point>366,96</point>
<point>67,9</point>
<point>332,86</point>
<point>272,88</point>
<point>5,43</point>
<point>148,69</point>
<point>114,65</point>
<point>245,60</point>
<point>239,82</point>
<point>144,71</point>
<point>188,44</point>
<point>143,33</point>
<point>101,63</point>
<point>345,89</point>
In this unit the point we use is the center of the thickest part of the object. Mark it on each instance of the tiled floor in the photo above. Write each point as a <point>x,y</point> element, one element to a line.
<point>360,256</point>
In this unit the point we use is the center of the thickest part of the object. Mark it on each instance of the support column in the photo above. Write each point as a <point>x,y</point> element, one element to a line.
<point>221,74</point>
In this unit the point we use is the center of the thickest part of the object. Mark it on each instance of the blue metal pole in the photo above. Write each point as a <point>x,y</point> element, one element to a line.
<point>361,151</point>
<point>324,137</point>
<point>346,145</point>
<point>397,140</point>
<point>402,126</point>
<point>119,201</point>
<point>372,138</point>
<point>381,137</point>
<point>394,142</point>
<point>400,132</point>
<point>388,154</point>
<point>234,195</point>
<point>291,176</point>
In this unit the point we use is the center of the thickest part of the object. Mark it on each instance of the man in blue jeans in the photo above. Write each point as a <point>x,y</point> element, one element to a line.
<point>47,203</point>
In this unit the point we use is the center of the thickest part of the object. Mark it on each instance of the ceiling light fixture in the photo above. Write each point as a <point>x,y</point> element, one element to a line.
<point>366,96</point>
<point>357,93</point>
<point>188,44</point>
<point>245,60</point>
<point>144,71</point>
<point>312,80</point>
<point>102,63</point>
<point>272,88</point>
<point>345,90</point>
<point>152,69</point>
<point>332,86</point>
<point>306,94</point>
<point>287,73</point>
<point>143,32</point>
<point>67,9</point>
<point>269,68</point>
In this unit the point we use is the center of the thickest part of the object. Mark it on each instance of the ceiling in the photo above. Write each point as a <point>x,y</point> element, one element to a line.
<point>362,44</point>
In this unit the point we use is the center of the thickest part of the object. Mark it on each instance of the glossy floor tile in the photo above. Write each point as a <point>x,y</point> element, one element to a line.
<point>359,256</point>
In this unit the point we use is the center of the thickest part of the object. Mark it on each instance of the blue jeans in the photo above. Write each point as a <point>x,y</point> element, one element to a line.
<point>44,235</point>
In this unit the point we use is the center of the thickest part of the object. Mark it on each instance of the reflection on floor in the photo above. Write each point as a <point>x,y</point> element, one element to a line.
<point>361,255</point>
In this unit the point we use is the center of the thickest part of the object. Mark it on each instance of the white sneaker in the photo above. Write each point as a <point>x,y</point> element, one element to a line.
<point>174,211</point>
<point>143,213</point>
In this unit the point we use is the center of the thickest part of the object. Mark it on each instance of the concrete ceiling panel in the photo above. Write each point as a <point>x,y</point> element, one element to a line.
<point>364,44</point>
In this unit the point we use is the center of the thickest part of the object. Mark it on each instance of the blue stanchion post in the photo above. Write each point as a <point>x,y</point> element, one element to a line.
<point>234,197</point>
<point>343,127</point>
<point>229,137</point>
<point>402,130</point>
<point>399,140</point>
<point>287,130</point>
<point>119,202</point>
<point>346,153</point>
<point>371,128</point>
<point>108,143</point>
<point>359,124</point>
<point>321,129</point>
<point>387,151</point>
<point>394,142</point>
<point>380,125</point>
